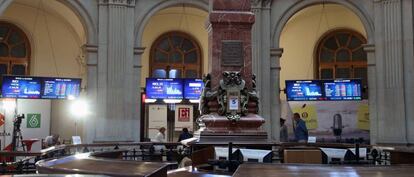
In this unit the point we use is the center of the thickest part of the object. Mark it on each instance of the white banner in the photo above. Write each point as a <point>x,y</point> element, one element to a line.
<point>157,118</point>
<point>349,117</point>
<point>183,117</point>
<point>40,108</point>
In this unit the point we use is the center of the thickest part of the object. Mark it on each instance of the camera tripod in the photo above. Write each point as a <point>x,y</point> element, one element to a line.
<point>17,138</point>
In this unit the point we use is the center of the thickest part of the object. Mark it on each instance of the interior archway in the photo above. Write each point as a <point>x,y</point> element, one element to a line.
<point>186,19</point>
<point>56,34</point>
<point>299,40</point>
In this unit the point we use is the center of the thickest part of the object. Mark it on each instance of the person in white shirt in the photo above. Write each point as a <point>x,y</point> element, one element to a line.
<point>160,137</point>
<point>51,140</point>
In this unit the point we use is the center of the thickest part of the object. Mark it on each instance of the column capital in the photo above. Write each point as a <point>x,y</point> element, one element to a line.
<point>276,52</point>
<point>139,50</point>
<point>128,3</point>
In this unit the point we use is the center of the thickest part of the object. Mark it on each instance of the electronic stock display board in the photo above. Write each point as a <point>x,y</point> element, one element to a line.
<point>164,88</point>
<point>28,87</point>
<point>323,90</point>
<point>193,88</point>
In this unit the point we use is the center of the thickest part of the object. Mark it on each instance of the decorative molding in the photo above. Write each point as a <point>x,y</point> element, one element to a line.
<point>90,48</point>
<point>368,48</point>
<point>128,3</point>
<point>256,3</point>
<point>267,3</point>
<point>137,59</point>
<point>276,52</point>
<point>261,3</point>
<point>139,50</point>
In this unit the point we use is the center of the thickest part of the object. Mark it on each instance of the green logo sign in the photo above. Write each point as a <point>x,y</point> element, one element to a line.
<point>33,120</point>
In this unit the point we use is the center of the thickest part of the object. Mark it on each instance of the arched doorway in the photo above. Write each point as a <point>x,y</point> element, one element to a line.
<point>56,32</point>
<point>177,46</point>
<point>316,41</point>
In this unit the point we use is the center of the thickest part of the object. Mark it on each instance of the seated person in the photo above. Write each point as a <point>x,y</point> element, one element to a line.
<point>184,135</point>
<point>51,140</point>
<point>159,138</point>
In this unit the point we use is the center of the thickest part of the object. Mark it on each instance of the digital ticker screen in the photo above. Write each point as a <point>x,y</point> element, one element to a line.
<point>303,90</point>
<point>323,90</point>
<point>164,88</point>
<point>60,88</point>
<point>21,87</point>
<point>343,90</point>
<point>28,87</point>
<point>193,88</point>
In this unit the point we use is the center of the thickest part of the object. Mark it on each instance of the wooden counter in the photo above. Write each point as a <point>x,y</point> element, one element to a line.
<point>273,170</point>
<point>84,164</point>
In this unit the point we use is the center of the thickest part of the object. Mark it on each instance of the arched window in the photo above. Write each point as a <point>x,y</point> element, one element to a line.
<point>340,55</point>
<point>175,55</point>
<point>14,50</point>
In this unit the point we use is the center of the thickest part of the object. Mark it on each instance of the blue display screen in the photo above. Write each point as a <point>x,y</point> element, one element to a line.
<point>304,90</point>
<point>60,88</point>
<point>21,87</point>
<point>40,87</point>
<point>193,88</point>
<point>343,89</point>
<point>164,88</point>
<point>323,90</point>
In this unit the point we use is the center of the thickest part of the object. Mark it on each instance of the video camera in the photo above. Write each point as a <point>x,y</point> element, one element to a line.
<point>18,120</point>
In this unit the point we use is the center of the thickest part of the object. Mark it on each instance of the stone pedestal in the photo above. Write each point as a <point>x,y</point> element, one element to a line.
<point>230,60</point>
<point>219,128</point>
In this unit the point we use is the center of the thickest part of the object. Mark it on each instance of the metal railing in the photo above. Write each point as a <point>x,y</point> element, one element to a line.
<point>170,152</point>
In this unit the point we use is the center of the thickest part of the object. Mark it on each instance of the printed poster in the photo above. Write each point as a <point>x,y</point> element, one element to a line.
<point>33,120</point>
<point>363,117</point>
<point>184,117</point>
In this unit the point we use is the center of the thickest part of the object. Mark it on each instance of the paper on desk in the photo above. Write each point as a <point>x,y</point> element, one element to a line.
<point>334,153</point>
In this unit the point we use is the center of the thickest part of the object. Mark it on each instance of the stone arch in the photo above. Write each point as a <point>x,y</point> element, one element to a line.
<point>77,7</point>
<point>298,6</point>
<point>142,22</point>
<point>85,18</point>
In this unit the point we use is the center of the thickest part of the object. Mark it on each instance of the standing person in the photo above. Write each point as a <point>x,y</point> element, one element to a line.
<point>51,140</point>
<point>184,135</point>
<point>283,131</point>
<point>160,137</point>
<point>301,132</point>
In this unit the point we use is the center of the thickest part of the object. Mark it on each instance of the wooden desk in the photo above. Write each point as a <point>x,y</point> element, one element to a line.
<point>273,170</point>
<point>84,164</point>
<point>187,172</point>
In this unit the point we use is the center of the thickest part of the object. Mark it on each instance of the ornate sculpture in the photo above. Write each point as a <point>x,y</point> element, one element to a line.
<point>232,98</point>
<point>207,95</point>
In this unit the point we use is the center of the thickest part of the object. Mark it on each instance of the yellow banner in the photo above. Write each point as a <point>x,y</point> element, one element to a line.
<point>309,115</point>
<point>363,117</point>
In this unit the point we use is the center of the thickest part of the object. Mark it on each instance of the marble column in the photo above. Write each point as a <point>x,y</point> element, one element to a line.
<point>116,114</point>
<point>408,44</point>
<point>372,86</point>
<point>275,54</point>
<point>91,54</point>
<point>261,58</point>
<point>138,51</point>
<point>391,110</point>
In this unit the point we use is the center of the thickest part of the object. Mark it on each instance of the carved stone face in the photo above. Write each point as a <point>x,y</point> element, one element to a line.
<point>232,78</point>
